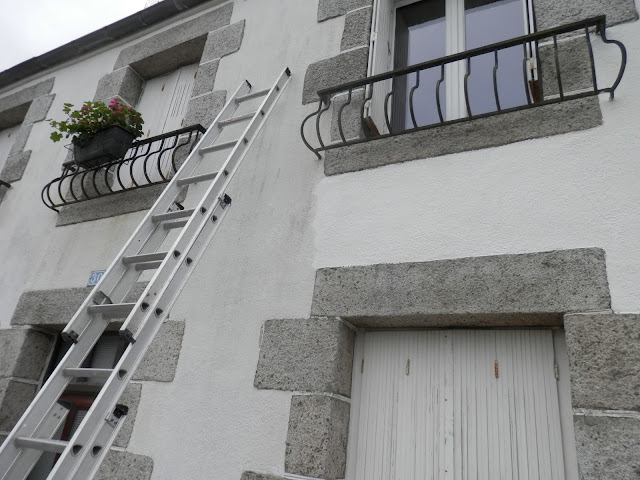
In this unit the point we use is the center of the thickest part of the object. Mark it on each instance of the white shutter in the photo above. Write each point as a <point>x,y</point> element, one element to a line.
<point>431,406</point>
<point>382,61</point>
<point>155,101</point>
<point>180,98</point>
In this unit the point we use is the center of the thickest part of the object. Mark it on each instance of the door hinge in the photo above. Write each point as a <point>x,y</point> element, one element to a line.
<point>362,366</point>
<point>495,368</point>
<point>408,367</point>
<point>556,370</point>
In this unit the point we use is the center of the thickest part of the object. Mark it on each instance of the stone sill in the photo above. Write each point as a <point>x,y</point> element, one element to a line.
<point>497,130</point>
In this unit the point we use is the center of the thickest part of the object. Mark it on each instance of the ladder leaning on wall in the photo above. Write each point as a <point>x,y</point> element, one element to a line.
<point>80,458</point>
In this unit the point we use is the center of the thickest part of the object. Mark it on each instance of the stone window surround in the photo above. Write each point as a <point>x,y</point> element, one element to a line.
<point>38,317</point>
<point>24,107</point>
<point>205,38</point>
<point>547,289</point>
<point>351,64</point>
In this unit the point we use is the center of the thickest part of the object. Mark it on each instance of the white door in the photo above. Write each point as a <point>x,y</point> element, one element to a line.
<point>457,404</point>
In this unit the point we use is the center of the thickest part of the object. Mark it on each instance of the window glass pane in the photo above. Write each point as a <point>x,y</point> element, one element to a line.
<point>490,22</point>
<point>420,37</point>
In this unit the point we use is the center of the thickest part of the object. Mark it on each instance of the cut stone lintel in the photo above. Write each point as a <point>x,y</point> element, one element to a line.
<point>499,290</point>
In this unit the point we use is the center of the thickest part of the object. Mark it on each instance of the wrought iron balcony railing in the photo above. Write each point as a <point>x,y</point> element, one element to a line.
<point>148,162</point>
<point>395,102</point>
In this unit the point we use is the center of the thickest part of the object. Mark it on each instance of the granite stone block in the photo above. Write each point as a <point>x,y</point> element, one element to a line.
<point>575,67</point>
<point>128,201</point>
<point>15,166</point>
<point>608,448</point>
<point>335,8</point>
<point>351,116</point>
<point>54,308</point>
<point>119,465</point>
<point>174,36</point>
<point>39,109</point>
<point>26,95</point>
<point>474,291</point>
<point>171,58</point>
<point>224,41</point>
<point>124,83</point>
<point>259,476</point>
<point>317,437</point>
<point>15,397</point>
<point>554,13</point>
<point>24,353</point>
<point>203,110</point>
<point>20,140</point>
<point>330,72</point>
<point>130,398</point>
<point>357,29</point>
<point>604,356</point>
<point>161,360</point>
<point>479,133</point>
<point>205,78</point>
<point>312,355</point>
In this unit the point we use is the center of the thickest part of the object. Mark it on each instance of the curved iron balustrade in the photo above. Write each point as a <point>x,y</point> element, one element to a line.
<point>148,162</point>
<point>530,44</point>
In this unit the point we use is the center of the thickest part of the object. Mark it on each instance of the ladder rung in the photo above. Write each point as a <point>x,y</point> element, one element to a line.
<point>251,96</point>
<point>145,257</point>
<point>87,372</point>
<point>233,120</point>
<point>219,146</point>
<point>112,310</point>
<point>148,265</point>
<point>197,178</point>
<point>171,215</point>
<point>172,225</point>
<point>44,444</point>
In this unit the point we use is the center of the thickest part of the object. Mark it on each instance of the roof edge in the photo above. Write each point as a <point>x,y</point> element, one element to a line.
<point>122,28</point>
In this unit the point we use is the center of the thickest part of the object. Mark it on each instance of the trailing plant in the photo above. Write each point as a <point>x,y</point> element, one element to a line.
<point>92,117</point>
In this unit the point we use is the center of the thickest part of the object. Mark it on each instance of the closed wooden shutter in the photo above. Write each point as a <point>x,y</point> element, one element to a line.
<point>461,405</point>
<point>382,60</point>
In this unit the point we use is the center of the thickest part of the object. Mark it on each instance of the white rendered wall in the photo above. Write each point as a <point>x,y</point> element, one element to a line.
<point>568,191</point>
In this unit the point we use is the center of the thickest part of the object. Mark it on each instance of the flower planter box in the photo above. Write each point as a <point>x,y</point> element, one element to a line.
<point>105,146</point>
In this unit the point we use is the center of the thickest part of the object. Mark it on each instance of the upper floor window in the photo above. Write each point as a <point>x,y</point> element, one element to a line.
<point>411,32</point>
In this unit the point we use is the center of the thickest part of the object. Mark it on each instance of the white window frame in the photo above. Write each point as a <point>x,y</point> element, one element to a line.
<point>455,43</point>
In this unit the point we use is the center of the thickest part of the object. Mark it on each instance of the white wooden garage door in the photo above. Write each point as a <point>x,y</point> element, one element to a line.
<point>460,404</point>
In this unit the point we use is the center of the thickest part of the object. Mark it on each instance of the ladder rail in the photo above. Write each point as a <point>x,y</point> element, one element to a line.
<point>146,236</point>
<point>86,326</point>
<point>165,287</point>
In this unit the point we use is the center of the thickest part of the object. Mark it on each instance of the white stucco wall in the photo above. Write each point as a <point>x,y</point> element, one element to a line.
<point>569,191</point>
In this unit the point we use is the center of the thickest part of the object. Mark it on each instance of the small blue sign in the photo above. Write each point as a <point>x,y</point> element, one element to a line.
<point>95,277</point>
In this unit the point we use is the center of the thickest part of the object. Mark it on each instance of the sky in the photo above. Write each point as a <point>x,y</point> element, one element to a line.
<point>29,28</point>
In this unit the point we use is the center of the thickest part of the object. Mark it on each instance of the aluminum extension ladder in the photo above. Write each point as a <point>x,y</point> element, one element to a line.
<point>80,458</point>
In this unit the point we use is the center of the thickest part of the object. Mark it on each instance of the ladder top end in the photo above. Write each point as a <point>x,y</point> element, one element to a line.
<point>288,72</point>
<point>248,83</point>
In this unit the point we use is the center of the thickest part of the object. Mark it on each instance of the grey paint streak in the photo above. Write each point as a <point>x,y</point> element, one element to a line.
<point>480,133</point>
<point>534,283</point>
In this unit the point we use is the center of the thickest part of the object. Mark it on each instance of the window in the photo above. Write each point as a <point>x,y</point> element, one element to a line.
<point>80,394</point>
<point>410,32</point>
<point>163,105</point>
<point>461,404</point>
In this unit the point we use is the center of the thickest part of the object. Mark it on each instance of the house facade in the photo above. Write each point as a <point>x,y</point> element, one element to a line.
<point>430,267</point>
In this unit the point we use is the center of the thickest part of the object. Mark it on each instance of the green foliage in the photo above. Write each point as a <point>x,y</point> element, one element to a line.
<point>92,117</point>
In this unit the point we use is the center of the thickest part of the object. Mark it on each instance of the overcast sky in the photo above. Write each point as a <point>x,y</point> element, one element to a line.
<point>29,28</point>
